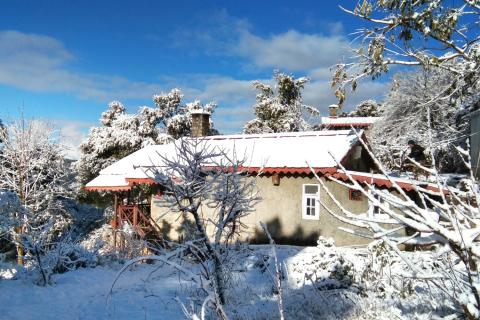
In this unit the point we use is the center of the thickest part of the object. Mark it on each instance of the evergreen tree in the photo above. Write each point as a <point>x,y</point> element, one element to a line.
<point>122,134</point>
<point>280,109</point>
<point>367,108</point>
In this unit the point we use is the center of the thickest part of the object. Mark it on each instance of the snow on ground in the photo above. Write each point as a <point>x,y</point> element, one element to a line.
<point>84,294</point>
<point>141,294</point>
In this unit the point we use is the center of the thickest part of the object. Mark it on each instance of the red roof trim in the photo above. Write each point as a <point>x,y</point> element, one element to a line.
<point>132,181</point>
<point>271,170</point>
<point>357,124</point>
<point>382,182</point>
<point>109,188</point>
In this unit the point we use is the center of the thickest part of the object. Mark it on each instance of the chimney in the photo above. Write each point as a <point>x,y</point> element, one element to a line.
<point>333,110</point>
<point>200,123</point>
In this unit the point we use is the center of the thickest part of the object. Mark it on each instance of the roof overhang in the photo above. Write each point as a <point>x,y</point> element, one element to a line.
<point>386,182</point>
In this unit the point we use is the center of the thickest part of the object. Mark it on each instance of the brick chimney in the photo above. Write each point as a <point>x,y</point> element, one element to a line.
<point>333,108</point>
<point>200,123</point>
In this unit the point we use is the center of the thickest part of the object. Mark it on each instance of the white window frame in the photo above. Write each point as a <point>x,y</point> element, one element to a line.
<point>372,208</point>
<point>316,203</point>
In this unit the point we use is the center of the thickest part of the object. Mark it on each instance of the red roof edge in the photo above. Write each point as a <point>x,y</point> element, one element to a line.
<point>132,181</point>
<point>109,188</point>
<point>382,182</point>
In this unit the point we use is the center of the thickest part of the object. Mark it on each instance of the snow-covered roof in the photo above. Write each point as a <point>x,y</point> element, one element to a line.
<point>263,153</point>
<point>348,121</point>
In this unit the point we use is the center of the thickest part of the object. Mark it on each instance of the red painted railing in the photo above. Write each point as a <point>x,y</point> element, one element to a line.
<point>138,216</point>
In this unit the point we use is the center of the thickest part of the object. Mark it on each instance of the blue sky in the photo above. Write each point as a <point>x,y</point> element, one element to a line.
<point>64,61</point>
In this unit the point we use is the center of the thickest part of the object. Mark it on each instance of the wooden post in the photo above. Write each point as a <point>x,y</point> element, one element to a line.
<point>135,216</point>
<point>115,221</point>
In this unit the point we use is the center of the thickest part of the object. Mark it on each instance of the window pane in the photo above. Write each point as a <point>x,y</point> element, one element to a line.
<point>311,189</point>
<point>308,211</point>
<point>312,211</point>
<point>308,201</point>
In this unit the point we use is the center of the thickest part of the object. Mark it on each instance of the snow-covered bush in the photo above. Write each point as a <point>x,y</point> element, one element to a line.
<point>83,218</point>
<point>280,109</point>
<point>67,255</point>
<point>101,243</point>
<point>99,240</point>
<point>327,269</point>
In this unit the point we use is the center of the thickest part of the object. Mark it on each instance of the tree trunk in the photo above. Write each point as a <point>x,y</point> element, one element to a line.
<point>20,254</point>
<point>217,264</point>
<point>19,248</point>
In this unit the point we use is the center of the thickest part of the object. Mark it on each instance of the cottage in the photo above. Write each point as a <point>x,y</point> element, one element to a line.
<point>293,204</point>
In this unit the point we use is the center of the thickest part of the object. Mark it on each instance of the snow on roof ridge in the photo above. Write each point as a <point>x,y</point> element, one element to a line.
<point>300,134</point>
<point>349,120</point>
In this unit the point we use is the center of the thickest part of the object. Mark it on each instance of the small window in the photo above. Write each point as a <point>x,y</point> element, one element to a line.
<point>311,202</point>
<point>376,211</point>
<point>355,195</point>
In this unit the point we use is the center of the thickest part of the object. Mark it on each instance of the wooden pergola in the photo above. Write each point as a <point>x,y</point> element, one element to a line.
<point>132,212</point>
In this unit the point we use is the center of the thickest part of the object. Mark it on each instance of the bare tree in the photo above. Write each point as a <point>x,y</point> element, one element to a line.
<point>203,177</point>
<point>446,217</point>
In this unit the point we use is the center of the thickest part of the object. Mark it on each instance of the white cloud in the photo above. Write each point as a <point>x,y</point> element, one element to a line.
<point>41,63</point>
<point>72,134</point>
<point>292,50</point>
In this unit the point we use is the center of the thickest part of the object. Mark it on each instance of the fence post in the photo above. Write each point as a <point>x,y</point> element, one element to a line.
<point>135,216</point>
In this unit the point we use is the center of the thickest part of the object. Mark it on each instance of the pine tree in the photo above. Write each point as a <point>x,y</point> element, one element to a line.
<point>122,134</point>
<point>367,108</point>
<point>280,109</point>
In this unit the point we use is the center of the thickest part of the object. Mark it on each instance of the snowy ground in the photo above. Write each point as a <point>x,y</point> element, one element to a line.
<point>141,294</point>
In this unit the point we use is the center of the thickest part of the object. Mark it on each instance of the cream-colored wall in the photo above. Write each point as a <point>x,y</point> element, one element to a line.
<point>280,208</point>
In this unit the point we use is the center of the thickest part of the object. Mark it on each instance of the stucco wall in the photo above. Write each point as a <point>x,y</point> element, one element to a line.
<point>280,209</point>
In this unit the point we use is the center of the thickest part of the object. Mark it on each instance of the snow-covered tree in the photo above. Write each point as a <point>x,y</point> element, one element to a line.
<point>412,97</point>
<point>2,127</point>
<point>281,108</point>
<point>367,108</point>
<point>447,219</point>
<point>191,187</point>
<point>10,208</point>
<point>33,168</point>
<point>122,133</point>
<point>430,34</point>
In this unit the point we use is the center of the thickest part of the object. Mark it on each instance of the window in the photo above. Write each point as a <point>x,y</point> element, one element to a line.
<point>311,202</point>
<point>355,195</point>
<point>376,211</point>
